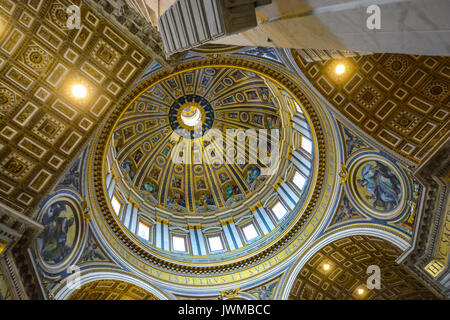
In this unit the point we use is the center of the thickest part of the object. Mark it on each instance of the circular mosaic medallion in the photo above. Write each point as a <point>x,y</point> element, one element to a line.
<point>140,128</point>
<point>161,161</point>
<point>240,97</point>
<point>244,116</point>
<point>141,107</point>
<point>61,233</point>
<point>228,81</point>
<point>378,187</point>
<point>147,146</point>
<point>198,170</point>
<point>179,169</point>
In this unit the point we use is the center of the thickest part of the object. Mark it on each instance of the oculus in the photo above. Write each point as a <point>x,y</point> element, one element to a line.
<point>191,115</point>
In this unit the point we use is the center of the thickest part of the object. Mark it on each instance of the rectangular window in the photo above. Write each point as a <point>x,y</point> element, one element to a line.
<point>250,232</point>
<point>215,243</point>
<point>297,106</point>
<point>279,210</point>
<point>299,180</point>
<point>307,145</point>
<point>179,243</point>
<point>144,231</point>
<point>116,205</point>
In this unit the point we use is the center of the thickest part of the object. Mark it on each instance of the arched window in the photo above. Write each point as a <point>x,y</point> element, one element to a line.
<point>279,210</point>
<point>117,206</point>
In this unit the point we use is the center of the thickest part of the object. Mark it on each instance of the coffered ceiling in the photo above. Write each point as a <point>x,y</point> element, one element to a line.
<point>402,101</point>
<point>111,290</point>
<point>42,124</point>
<point>348,260</point>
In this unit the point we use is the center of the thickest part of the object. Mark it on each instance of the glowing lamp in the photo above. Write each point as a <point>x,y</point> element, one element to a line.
<point>79,91</point>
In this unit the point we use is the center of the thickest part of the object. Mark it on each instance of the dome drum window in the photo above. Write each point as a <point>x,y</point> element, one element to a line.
<point>215,243</point>
<point>279,210</point>
<point>299,180</point>
<point>116,205</point>
<point>144,231</point>
<point>178,243</point>
<point>250,232</point>
<point>307,144</point>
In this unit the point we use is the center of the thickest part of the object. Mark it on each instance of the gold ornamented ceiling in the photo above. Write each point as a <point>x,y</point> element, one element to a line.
<point>402,101</point>
<point>43,126</point>
<point>217,98</point>
<point>348,260</point>
<point>111,290</point>
<point>103,143</point>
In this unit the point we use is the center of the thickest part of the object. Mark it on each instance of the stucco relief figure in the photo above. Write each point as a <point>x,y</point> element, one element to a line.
<point>58,238</point>
<point>383,189</point>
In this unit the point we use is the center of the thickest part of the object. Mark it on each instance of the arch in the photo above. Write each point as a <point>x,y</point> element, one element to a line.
<point>396,240</point>
<point>66,291</point>
<point>241,296</point>
<point>318,119</point>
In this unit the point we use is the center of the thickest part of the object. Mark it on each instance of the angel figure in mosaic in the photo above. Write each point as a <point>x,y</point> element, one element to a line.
<point>265,292</point>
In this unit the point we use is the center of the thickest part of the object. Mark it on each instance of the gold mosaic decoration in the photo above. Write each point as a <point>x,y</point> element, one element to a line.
<point>348,259</point>
<point>400,100</point>
<point>311,208</point>
<point>111,290</point>
<point>42,127</point>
